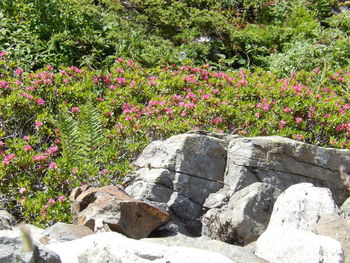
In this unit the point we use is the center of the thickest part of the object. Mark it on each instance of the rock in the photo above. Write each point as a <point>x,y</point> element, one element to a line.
<point>301,206</point>
<point>7,221</point>
<point>113,247</point>
<point>283,162</point>
<point>13,250</point>
<point>291,245</point>
<point>236,253</point>
<point>288,237</point>
<point>244,218</point>
<point>61,232</point>
<point>338,228</point>
<point>345,209</point>
<point>112,206</point>
<point>178,174</point>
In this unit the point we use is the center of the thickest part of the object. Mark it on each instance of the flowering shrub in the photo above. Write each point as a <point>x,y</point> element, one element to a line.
<point>129,106</point>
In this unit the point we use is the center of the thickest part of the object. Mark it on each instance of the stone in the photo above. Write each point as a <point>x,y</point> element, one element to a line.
<point>301,206</point>
<point>178,174</point>
<point>7,221</point>
<point>244,218</point>
<point>336,227</point>
<point>288,237</point>
<point>236,253</point>
<point>112,206</point>
<point>283,162</point>
<point>291,245</point>
<point>345,209</point>
<point>61,232</point>
<point>114,247</point>
<point>14,249</point>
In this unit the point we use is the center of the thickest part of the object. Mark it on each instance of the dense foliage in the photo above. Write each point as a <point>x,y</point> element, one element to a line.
<point>63,127</point>
<point>277,35</point>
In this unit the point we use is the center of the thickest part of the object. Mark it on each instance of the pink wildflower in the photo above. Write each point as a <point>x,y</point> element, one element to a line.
<point>104,172</point>
<point>19,71</point>
<point>27,148</point>
<point>51,201</point>
<point>26,138</point>
<point>52,165</point>
<point>2,144</point>
<point>40,101</point>
<point>287,110</point>
<point>299,137</point>
<point>23,191</point>
<point>298,120</point>
<point>38,124</point>
<point>61,198</point>
<point>75,110</point>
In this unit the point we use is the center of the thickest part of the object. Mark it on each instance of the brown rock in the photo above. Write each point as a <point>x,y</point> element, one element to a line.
<point>338,228</point>
<point>113,207</point>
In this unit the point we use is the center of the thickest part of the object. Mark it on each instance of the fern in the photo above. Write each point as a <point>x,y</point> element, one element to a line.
<point>81,139</point>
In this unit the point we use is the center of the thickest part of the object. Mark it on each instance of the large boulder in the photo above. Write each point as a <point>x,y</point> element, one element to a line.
<point>338,228</point>
<point>17,246</point>
<point>288,237</point>
<point>7,221</point>
<point>283,162</point>
<point>236,253</point>
<point>178,174</point>
<point>244,218</point>
<point>61,232</point>
<point>113,247</point>
<point>111,206</point>
<point>290,245</point>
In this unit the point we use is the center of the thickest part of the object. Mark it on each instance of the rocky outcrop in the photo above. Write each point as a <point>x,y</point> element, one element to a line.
<point>244,218</point>
<point>283,162</point>
<point>338,228</point>
<point>345,209</point>
<point>114,247</point>
<point>288,238</point>
<point>7,221</point>
<point>178,174</point>
<point>111,207</point>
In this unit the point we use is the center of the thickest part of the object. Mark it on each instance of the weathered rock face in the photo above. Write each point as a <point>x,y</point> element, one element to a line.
<point>179,173</point>
<point>113,247</point>
<point>13,251</point>
<point>338,228</point>
<point>283,162</point>
<point>111,206</point>
<point>7,221</point>
<point>64,232</point>
<point>288,237</point>
<point>244,218</point>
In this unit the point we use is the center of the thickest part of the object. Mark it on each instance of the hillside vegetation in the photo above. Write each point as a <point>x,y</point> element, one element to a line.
<point>86,85</point>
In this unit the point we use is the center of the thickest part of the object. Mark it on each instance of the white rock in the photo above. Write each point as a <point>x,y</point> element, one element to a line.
<point>290,245</point>
<point>114,247</point>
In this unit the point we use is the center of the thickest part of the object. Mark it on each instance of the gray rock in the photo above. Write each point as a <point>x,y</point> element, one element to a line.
<point>290,245</point>
<point>61,232</point>
<point>178,174</point>
<point>283,162</point>
<point>7,221</point>
<point>244,218</point>
<point>114,247</point>
<point>15,249</point>
<point>345,209</point>
<point>336,227</point>
<point>235,253</point>
<point>301,206</point>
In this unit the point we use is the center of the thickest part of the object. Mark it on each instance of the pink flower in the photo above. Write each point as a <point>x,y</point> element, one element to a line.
<point>217,120</point>
<point>3,53</point>
<point>51,150</point>
<point>104,172</point>
<point>257,115</point>
<point>23,191</point>
<point>99,99</point>
<point>75,110</point>
<point>53,165</point>
<point>26,138</point>
<point>49,67</point>
<point>287,110</point>
<point>2,144</point>
<point>61,198</point>
<point>39,157</point>
<point>40,101</point>
<point>299,137</point>
<point>19,71</point>
<point>51,201</point>
<point>120,59</point>
<point>27,148</point>
<point>298,120</point>
<point>38,124</point>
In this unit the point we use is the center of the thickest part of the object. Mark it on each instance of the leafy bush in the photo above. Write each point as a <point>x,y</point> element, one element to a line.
<point>60,128</point>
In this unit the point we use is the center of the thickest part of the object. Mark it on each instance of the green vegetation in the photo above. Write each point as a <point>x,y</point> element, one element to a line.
<point>77,108</point>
